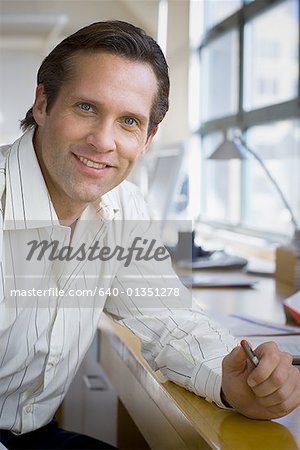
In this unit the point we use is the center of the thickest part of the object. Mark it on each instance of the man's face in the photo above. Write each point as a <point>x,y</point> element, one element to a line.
<point>96,129</point>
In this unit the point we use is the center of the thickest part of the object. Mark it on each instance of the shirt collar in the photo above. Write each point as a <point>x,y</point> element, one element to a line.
<point>28,204</point>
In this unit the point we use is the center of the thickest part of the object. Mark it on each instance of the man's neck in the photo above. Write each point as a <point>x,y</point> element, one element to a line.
<point>66,212</point>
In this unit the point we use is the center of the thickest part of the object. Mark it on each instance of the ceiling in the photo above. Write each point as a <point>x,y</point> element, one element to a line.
<point>53,19</point>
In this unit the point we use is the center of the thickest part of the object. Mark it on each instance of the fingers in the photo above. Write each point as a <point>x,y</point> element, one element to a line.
<point>278,388</point>
<point>280,403</point>
<point>273,368</point>
<point>235,360</point>
<point>275,382</point>
<point>270,390</point>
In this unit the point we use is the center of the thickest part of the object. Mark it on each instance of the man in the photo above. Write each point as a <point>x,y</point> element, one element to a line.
<point>101,94</point>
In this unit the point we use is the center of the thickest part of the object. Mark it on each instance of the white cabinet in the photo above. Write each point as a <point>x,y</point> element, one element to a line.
<point>90,406</point>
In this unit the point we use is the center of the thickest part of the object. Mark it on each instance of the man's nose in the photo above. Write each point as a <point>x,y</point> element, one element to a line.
<point>102,137</point>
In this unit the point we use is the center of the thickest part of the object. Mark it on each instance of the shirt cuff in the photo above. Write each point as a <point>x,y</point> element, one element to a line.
<point>206,381</point>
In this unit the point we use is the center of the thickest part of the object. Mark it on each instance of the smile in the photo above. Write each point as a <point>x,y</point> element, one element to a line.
<point>89,163</point>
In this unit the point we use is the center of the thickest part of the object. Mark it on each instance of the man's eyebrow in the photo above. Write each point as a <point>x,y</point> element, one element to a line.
<point>141,117</point>
<point>138,115</point>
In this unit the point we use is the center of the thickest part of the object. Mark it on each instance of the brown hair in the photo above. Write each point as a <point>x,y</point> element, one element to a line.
<point>116,37</point>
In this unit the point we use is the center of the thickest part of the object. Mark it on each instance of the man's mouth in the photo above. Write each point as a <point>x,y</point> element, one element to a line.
<point>93,164</point>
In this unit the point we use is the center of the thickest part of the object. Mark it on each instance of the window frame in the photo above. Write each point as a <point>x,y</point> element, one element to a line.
<point>242,119</point>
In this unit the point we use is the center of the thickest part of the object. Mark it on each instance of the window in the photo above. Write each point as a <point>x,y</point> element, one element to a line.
<point>220,76</point>
<point>271,40</point>
<point>278,145</point>
<point>217,10</point>
<point>220,203</point>
<point>249,65</point>
<point>267,87</point>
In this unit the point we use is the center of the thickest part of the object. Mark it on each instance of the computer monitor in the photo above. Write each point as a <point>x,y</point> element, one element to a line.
<point>166,180</point>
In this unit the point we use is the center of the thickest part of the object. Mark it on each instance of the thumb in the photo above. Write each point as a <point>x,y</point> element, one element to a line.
<point>235,360</point>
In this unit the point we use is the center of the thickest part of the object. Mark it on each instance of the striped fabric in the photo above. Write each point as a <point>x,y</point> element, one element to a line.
<point>45,330</point>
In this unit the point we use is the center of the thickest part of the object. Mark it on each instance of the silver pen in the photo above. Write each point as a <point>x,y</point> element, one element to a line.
<point>254,359</point>
<point>249,352</point>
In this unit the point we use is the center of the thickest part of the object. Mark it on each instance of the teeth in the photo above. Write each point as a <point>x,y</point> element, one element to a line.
<point>90,163</point>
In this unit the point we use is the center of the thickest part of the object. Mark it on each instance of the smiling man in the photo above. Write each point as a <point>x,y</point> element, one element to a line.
<point>97,128</point>
<point>101,94</point>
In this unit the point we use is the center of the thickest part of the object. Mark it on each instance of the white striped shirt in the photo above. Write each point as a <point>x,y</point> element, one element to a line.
<point>44,336</point>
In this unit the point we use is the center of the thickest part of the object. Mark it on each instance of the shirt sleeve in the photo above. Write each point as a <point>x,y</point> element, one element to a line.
<point>177,337</point>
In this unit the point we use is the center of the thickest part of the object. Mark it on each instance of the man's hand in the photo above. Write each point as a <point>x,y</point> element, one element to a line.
<point>270,390</point>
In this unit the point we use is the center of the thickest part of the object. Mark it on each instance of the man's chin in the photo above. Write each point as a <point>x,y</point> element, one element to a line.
<point>92,196</point>
<point>89,200</point>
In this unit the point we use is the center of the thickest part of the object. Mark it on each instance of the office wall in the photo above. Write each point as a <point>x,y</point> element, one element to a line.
<point>17,85</point>
<point>175,127</point>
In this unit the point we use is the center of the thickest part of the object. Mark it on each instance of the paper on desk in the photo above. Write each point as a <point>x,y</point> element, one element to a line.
<point>286,343</point>
<point>243,326</point>
<point>258,331</point>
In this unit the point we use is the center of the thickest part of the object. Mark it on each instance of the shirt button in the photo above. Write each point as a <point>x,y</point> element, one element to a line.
<point>53,361</point>
<point>29,409</point>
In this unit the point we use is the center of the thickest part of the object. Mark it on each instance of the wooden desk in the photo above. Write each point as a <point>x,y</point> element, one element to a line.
<point>168,416</point>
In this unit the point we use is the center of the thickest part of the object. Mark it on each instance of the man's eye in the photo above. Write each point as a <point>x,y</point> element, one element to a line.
<point>86,107</point>
<point>130,121</point>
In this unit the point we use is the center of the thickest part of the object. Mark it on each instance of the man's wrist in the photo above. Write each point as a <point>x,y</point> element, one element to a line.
<point>224,400</point>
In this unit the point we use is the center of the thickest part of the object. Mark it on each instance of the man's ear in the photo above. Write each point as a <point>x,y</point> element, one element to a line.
<point>149,140</point>
<point>40,105</point>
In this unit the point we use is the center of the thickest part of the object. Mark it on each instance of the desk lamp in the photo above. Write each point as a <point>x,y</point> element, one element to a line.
<point>287,257</point>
